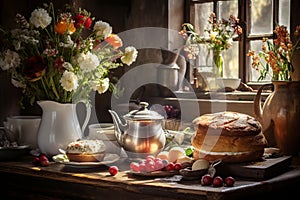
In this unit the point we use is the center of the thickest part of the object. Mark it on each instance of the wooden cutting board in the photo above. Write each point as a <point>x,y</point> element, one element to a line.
<point>263,169</point>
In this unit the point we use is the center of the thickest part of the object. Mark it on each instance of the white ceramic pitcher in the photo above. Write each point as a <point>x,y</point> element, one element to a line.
<point>59,126</point>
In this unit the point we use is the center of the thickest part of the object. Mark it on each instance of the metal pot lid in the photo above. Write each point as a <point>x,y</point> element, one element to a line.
<point>143,113</point>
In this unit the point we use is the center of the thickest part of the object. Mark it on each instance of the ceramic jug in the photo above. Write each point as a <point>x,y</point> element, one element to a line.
<point>59,126</point>
<point>280,115</point>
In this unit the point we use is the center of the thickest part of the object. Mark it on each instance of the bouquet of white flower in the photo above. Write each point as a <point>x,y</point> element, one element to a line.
<point>49,58</point>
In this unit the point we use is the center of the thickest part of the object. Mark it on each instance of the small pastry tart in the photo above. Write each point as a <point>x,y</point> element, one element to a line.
<point>86,151</point>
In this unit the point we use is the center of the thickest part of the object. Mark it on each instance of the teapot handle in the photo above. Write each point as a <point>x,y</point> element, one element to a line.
<point>258,111</point>
<point>87,115</point>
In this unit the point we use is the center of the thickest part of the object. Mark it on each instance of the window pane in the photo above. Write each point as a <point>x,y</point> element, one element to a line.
<point>284,13</point>
<point>202,12</point>
<point>254,74</point>
<point>231,67</point>
<point>204,59</point>
<point>231,61</point>
<point>261,17</point>
<point>227,8</point>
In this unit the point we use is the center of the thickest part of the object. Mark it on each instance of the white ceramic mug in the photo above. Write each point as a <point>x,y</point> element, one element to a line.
<point>25,128</point>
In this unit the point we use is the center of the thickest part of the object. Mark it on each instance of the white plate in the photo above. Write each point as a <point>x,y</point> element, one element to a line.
<point>108,159</point>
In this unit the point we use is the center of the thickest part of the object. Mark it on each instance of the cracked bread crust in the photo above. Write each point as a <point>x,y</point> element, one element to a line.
<point>233,136</point>
<point>228,143</point>
<point>229,123</point>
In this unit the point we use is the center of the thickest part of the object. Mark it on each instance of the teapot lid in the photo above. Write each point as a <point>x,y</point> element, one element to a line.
<point>143,113</point>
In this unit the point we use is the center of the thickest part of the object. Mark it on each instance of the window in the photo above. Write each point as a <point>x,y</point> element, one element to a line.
<point>258,19</point>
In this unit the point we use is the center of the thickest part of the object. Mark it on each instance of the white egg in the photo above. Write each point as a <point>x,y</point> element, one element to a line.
<point>200,164</point>
<point>164,155</point>
<point>175,153</point>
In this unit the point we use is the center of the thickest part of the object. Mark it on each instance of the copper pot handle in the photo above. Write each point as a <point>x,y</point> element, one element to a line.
<point>258,111</point>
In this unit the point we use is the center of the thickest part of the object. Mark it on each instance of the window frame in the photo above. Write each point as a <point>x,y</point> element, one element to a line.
<point>246,37</point>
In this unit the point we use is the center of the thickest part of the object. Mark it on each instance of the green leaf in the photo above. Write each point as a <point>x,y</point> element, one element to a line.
<point>189,152</point>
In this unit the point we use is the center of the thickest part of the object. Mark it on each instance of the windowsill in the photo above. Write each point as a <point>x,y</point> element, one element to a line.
<point>192,105</point>
<point>257,84</point>
<point>228,96</point>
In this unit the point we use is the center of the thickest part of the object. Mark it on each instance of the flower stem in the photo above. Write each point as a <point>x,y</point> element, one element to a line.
<point>44,87</point>
<point>54,88</point>
<point>218,63</point>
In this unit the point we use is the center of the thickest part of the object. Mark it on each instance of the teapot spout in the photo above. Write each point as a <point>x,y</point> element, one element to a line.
<point>119,126</point>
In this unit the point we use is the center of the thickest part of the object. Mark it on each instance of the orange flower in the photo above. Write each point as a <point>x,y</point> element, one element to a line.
<point>283,36</point>
<point>255,59</point>
<point>63,27</point>
<point>114,40</point>
<point>277,54</point>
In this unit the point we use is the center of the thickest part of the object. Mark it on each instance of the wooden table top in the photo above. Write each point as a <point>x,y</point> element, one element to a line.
<point>58,181</point>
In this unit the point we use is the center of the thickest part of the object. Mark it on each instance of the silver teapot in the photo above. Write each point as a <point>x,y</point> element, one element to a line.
<point>142,133</point>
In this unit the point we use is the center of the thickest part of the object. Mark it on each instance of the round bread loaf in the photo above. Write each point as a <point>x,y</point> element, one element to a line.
<point>230,136</point>
<point>86,151</point>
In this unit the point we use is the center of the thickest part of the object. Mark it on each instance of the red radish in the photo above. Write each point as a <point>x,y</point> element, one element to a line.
<point>218,181</point>
<point>177,166</point>
<point>44,162</point>
<point>113,170</point>
<point>206,180</point>
<point>170,166</point>
<point>229,181</point>
<point>35,161</point>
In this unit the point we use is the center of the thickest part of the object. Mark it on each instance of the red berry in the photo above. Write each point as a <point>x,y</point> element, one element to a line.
<point>35,161</point>
<point>142,167</point>
<point>158,165</point>
<point>150,167</point>
<point>177,166</point>
<point>43,157</point>
<point>206,180</point>
<point>150,157</point>
<point>113,170</point>
<point>229,181</point>
<point>149,162</point>
<point>134,166</point>
<point>217,181</point>
<point>44,162</point>
<point>170,166</point>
